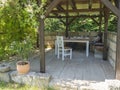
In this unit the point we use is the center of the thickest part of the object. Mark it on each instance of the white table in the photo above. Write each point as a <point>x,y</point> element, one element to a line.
<point>76,40</point>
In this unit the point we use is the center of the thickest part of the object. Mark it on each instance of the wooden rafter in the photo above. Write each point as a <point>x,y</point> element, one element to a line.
<point>73,5</point>
<point>82,1</point>
<point>78,10</point>
<point>108,4</point>
<point>95,21</point>
<point>51,6</point>
<point>84,16</point>
<point>62,21</point>
<point>56,14</point>
<point>90,4</point>
<point>72,20</point>
<point>59,7</point>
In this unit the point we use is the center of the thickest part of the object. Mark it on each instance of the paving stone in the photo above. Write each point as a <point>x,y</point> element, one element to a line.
<point>5,76</point>
<point>31,78</point>
<point>4,67</point>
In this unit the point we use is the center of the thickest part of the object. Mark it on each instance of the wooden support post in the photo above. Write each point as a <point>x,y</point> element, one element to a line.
<point>100,23</point>
<point>37,40</point>
<point>105,50</point>
<point>117,68</point>
<point>38,35</point>
<point>100,18</point>
<point>42,48</point>
<point>66,31</point>
<point>41,42</point>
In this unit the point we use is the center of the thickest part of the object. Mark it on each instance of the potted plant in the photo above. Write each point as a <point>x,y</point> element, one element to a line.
<point>24,49</point>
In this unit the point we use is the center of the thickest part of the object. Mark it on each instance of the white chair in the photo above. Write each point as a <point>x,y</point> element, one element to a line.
<point>64,51</point>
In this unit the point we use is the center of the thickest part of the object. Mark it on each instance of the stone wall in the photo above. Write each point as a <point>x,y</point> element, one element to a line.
<point>44,80</point>
<point>112,48</point>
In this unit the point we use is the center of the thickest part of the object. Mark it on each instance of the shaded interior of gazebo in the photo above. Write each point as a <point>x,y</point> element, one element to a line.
<point>72,9</point>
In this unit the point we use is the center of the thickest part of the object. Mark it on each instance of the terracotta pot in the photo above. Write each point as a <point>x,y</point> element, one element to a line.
<point>23,67</point>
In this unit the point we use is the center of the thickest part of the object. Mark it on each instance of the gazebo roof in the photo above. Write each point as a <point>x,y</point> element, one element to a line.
<point>73,8</point>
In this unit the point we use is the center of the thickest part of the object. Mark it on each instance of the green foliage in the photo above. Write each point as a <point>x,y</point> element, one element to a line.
<point>16,24</point>
<point>14,86</point>
<point>23,49</point>
<point>112,26</point>
<point>80,24</point>
<point>54,25</point>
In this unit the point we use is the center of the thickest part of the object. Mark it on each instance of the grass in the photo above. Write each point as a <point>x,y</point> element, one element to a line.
<point>14,86</point>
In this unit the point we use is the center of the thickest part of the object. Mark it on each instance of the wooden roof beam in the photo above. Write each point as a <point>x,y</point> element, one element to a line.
<point>59,7</point>
<point>72,20</point>
<point>109,5</point>
<point>78,10</point>
<point>62,21</point>
<point>90,4</point>
<point>84,16</point>
<point>53,4</point>
<point>73,5</point>
<point>116,3</point>
<point>57,15</point>
<point>82,2</point>
<point>95,21</point>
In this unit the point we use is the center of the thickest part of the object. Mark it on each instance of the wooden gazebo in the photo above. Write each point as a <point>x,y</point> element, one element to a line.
<point>72,9</point>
